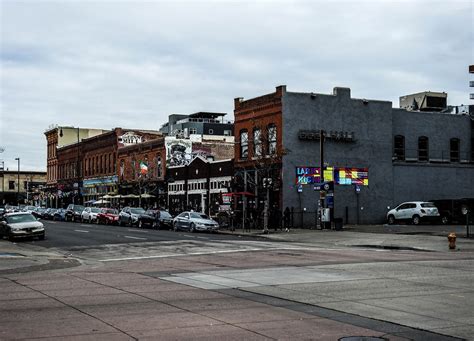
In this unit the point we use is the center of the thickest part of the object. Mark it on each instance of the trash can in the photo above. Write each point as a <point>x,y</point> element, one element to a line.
<point>338,224</point>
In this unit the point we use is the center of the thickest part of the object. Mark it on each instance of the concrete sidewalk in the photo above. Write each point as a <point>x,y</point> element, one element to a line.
<point>354,236</point>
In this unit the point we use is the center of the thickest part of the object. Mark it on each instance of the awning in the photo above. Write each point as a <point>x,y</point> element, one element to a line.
<point>238,194</point>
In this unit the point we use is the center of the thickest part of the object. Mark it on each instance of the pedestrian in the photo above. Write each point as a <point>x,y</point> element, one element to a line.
<point>286,219</point>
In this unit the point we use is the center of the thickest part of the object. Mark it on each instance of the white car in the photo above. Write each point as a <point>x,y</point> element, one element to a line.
<point>414,212</point>
<point>90,214</point>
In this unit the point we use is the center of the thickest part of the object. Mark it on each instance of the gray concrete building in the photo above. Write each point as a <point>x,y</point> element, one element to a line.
<point>200,123</point>
<point>409,155</point>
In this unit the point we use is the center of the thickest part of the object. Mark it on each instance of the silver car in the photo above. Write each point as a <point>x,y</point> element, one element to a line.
<point>194,221</point>
<point>21,225</point>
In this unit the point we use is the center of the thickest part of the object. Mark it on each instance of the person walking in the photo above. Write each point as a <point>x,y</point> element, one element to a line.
<point>286,219</point>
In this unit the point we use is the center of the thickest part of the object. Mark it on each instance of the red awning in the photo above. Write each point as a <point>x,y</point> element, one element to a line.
<point>238,194</point>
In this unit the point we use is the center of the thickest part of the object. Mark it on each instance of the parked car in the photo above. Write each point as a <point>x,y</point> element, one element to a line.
<point>60,214</point>
<point>38,213</point>
<point>135,216</point>
<point>194,221</point>
<point>89,214</point>
<point>451,210</point>
<point>73,212</point>
<point>21,225</point>
<point>49,213</point>
<point>108,216</point>
<point>162,219</point>
<point>414,212</point>
<point>29,209</point>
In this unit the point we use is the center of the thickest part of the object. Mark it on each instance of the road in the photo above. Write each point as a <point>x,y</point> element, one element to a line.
<point>307,285</point>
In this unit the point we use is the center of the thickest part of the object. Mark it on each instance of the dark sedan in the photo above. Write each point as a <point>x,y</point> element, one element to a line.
<point>163,220</point>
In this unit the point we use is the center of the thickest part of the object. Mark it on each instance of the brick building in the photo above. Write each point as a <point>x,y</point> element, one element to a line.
<point>258,151</point>
<point>377,156</point>
<point>141,169</point>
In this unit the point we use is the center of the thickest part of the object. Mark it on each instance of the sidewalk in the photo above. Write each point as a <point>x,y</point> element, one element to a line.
<point>353,236</point>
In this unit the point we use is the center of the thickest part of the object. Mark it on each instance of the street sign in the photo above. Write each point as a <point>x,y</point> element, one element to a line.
<point>300,188</point>
<point>357,189</point>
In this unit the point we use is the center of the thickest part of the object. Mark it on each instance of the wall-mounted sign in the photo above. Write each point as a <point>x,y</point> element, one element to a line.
<point>340,175</point>
<point>333,135</point>
<point>129,138</point>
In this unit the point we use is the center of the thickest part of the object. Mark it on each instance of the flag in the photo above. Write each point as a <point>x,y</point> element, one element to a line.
<point>143,168</point>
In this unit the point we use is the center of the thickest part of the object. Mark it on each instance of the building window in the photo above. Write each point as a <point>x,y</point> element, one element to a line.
<point>11,185</point>
<point>272,139</point>
<point>454,150</point>
<point>192,131</point>
<point>244,144</point>
<point>423,154</point>
<point>159,167</point>
<point>257,142</point>
<point>399,147</point>
<point>211,131</point>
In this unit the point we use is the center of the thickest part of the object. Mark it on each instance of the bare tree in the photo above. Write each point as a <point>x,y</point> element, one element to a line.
<point>265,158</point>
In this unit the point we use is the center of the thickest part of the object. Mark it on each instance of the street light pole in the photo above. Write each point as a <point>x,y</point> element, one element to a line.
<point>18,188</point>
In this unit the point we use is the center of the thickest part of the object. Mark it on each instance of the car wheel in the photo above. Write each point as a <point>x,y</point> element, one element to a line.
<point>444,220</point>
<point>415,220</point>
<point>41,237</point>
<point>11,238</point>
<point>192,228</point>
<point>391,220</point>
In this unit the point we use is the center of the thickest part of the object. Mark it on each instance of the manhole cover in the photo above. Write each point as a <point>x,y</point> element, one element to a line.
<point>362,338</point>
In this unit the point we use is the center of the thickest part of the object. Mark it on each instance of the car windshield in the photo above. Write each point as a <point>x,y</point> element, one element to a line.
<point>110,211</point>
<point>137,210</point>
<point>164,214</point>
<point>20,218</point>
<point>95,210</point>
<point>78,208</point>
<point>198,215</point>
<point>428,204</point>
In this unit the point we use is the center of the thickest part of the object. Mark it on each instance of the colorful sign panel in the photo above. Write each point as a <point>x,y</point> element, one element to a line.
<point>352,176</point>
<point>340,175</point>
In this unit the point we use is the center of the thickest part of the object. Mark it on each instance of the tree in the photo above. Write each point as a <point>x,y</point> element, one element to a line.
<point>261,165</point>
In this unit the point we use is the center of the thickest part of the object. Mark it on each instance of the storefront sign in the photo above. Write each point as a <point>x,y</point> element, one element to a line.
<point>129,138</point>
<point>340,175</point>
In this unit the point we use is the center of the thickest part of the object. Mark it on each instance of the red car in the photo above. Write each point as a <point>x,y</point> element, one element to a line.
<point>108,216</point>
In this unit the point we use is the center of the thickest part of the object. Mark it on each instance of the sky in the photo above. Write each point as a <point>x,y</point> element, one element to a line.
<point>105,64</point>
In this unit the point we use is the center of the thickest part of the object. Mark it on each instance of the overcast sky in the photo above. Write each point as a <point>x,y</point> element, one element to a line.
<point>106,64</point>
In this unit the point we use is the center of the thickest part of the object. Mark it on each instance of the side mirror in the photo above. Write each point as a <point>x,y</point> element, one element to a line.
<point>38,218</point>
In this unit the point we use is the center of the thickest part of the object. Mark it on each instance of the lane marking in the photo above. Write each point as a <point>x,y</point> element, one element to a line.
<point>131,237</point>
<point>200,253</point>
<point>142,231</point>
<point>84,231</point>
<point>189,236</point>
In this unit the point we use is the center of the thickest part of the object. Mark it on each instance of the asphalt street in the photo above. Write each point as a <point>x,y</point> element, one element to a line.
<point>63,235</point>
<point>305,284</point>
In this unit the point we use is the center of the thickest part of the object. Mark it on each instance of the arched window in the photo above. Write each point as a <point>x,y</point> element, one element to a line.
<point>272,139</point>
<point>159,170</point>
<point>454,146</point>
<point>423,152</point>
<point>244,144</point>
<point>257,142</point>
<point>399,147</point>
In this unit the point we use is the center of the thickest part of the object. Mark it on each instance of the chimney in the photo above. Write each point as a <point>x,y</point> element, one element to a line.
<point>237,102</point>
<point>342,92</point>
<point>280,90</point>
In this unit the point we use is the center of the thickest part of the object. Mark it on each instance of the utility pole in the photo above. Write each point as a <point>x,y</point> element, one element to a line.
<point>321,175</point>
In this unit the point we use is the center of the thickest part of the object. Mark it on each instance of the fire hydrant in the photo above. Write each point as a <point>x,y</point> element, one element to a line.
<point>452,240</point>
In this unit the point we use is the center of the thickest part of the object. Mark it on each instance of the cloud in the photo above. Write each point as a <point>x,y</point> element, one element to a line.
<point>131,64</point>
